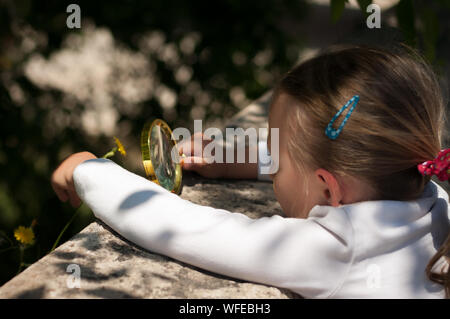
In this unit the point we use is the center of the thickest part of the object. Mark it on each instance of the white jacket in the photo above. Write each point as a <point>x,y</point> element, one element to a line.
<point>374,249</point>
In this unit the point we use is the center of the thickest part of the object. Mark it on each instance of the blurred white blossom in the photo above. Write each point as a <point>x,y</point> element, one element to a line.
<point>107,78</point>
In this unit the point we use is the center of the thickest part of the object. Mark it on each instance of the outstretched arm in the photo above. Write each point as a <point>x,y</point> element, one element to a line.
<point>282,252</point>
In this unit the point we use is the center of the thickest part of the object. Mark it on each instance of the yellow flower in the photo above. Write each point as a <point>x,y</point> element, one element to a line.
<point>25,235</point>
<point>120,147</point>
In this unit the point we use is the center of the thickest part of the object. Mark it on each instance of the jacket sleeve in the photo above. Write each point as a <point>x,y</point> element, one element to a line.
<point>297,254</point>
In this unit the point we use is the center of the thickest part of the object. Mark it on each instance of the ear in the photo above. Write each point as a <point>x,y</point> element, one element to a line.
<point>332,192</point>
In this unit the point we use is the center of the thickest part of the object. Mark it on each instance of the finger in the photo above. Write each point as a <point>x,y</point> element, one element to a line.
<point>75,201</point>
<point>192,160</point>
<point>60,192</point>
<point>184,148</point>
<point>63,196</point>
<point>196,143</point>
<point>193,163</point>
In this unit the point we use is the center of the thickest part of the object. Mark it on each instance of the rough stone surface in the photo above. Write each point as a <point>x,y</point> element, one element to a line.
<point>112,267</point>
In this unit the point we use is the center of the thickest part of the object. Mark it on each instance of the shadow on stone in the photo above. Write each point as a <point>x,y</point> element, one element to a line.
<point>110,293</point>
<point>87,273</point>
<point>67,255</point>
<point>191,179</point>
<point>91,241</point>
<point>290,294</point>
<point>130,249</point>
<point>154,274</point>
<point>209,273</point>
<point>36,293</point>
<point>240,196</point>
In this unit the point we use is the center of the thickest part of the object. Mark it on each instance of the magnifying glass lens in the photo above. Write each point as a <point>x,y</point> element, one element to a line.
<point>163,165</point>
<point>156,147</point>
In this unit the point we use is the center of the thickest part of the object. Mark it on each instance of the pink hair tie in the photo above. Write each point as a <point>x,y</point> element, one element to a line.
<point>440,166</point>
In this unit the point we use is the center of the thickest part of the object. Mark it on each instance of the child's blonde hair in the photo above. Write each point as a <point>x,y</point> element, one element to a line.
<point>397,123</point>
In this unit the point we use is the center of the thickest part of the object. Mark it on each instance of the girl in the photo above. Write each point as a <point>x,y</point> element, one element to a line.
<point>363,219</point>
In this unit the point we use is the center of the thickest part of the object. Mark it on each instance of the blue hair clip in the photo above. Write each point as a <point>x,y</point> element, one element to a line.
<point>333,133</point>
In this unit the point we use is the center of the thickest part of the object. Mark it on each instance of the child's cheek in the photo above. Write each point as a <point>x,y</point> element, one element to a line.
<point>276,189</point>
<point>280,195</point>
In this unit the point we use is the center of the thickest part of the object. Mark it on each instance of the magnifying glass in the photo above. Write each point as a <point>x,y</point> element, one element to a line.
<point>156,148</point>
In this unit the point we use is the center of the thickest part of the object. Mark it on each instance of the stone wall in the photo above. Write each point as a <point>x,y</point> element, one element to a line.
<point>112,267</point>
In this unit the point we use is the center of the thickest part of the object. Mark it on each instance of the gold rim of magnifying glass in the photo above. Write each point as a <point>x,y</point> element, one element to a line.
<point>145,150</point>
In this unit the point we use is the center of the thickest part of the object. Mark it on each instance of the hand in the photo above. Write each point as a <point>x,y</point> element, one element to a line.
<point>62,177</point>
<point>199,163</point>
<point>208,168</point>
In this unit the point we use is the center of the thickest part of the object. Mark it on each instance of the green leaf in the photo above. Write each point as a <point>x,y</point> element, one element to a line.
<point>405,18</point>
<point>337,7</point>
